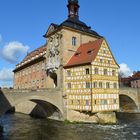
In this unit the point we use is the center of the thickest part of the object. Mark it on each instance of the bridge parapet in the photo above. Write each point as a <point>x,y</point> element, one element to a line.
<point>40,96</point>
<point>128,89</point>
<point>30,90</point>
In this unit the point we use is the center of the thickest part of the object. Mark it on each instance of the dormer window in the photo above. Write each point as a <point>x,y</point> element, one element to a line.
<point>77,54</point>
<point>74,39</point>
<point>90,51</point>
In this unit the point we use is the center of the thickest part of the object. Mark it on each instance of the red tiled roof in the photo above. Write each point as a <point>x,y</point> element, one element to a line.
<point>34,53</point>
<point>136,75</point>
<point>85,54</point>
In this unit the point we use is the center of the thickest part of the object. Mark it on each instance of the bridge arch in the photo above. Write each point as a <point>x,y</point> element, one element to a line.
<point>127,103</point>
<point>38,106</point>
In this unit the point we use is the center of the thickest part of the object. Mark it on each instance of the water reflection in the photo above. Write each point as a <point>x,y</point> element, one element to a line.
<point>23,127</point>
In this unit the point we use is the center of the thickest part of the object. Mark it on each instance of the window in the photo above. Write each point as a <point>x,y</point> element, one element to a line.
<point>37,68</point>
<point>90,51</point>
<point>87,84</point>
<point>87,102</point>
<point>29,70</point>
<point>71,102</point>
<point>95,102</point>
<point>96,70</point>
<point>113,72</point>
<point>87,71</point>
<point>114,85</point>
<point>105,71</point>
<point>68,73</point>
<point>101,60</point>
<point>33,69</point>
<point>108,61</point>
<point>104,51</point>
<point>78,54</point>
<point>73,41</point>
<point>104,102</point>
<point>78,102</point>
<point>100,85</point>
<point>43,66</point>
<point>69,85</point>
<point>95,84</point>
<point>115,101</point>
<point>107,85</point>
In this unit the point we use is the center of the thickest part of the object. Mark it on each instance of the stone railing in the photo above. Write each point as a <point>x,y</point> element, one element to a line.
<point>30,90</point>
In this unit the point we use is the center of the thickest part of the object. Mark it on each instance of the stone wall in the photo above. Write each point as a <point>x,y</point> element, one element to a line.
<point>101,118</point>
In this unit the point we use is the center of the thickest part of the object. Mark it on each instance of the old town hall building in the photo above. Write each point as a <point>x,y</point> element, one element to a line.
<point>75,60</point>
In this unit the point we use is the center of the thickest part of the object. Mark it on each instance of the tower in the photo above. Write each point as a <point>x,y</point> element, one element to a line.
<point>73,9</point>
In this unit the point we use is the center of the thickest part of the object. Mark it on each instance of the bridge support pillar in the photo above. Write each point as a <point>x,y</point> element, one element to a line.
<point>138,98</point>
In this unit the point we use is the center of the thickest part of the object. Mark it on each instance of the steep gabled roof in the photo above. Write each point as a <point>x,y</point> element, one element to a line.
<point>51,29</point>
<point>85,54</point>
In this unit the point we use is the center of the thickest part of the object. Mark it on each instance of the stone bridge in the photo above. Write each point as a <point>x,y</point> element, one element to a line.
<point>129,100</point>
<point>43,103</point>
<point>50,103</point>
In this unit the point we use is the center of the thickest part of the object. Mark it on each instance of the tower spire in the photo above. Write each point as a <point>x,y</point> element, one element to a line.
<point>73,9</point>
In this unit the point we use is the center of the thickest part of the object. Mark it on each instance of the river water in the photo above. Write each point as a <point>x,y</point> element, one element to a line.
<point>23,127</point>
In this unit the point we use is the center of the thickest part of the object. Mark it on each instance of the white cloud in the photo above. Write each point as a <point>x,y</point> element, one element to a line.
<point>6,74</point>
<point>13,50</point>
<point>124,70</point>
<point>0,37</point>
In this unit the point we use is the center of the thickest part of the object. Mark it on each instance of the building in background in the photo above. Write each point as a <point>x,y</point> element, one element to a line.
<point>135,82</point>
<point>30,73</point>
<point>77,61</point>
<point>131,81</point>
<point>125,81</point>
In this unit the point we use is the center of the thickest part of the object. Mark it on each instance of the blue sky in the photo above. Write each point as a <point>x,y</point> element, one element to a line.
<point>24,22</point>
